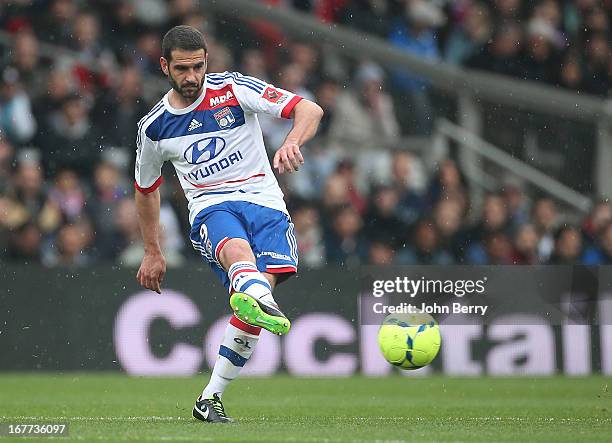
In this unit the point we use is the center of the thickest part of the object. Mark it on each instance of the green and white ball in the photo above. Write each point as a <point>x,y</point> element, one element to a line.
<point>409,341</point>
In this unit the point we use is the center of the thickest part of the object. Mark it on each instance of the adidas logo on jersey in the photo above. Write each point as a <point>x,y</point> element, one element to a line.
<point>194,125</point>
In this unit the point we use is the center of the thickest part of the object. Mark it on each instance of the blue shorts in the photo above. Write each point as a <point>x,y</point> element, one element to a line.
<point>268,231</point>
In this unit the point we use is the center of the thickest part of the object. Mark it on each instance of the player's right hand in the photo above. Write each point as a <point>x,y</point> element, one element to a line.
<point>288,158</point>
<point>151,272</point>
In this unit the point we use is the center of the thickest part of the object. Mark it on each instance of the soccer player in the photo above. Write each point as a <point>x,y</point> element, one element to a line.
<point>207,126</point>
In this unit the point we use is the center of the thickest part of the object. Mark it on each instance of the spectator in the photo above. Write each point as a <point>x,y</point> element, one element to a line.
<point>496,249</point>
<point>148,51</point>
<point>344,241</point>
<point>447,183</point>
<point>526,246</point>
<point>597,60</point>
<point>305,217</point>
<point>425,247</point>
<point>502,54</point>
<point>415,33</point>
<point>129,240</point>
<point>600,254</point>
<point>72,242</point>
<point>540,62</point>
<point>124,29</point>
<point>568,246</point>
<point>72,140</point>
<point>128,230</point>
<point>599,217</point>
<point>221,58</point>
<point>381,253</point>
<point>253,64</point>
<point>306,56</point>
<point>467,39</point>
<point>381,221</point>
<point>322,159</point>
<point>507,10</point>
<point>24,243</point>
<point>448,217</point>
<point>340,189</point>
<point>327,97</point>
<point>335,194</point>
<point>7,153</point>
<point>56,25</point>
<point>411,203</point>
<point>95,61</point>
<point>28,201</point>
<point>545,221</point>
<point>123,109</point>
<point>571,76</point>
<point>181,10</point>
<point>59,87</point>
<point>494,220</point>
<point>68,195</point>
<point>25,58</point>
<point>109,189</point>
<point>364,121</point>
<point>517,203</point>
<point>17,122</point>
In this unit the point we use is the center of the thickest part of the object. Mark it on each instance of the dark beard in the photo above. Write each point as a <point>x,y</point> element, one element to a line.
<point>188,94</point>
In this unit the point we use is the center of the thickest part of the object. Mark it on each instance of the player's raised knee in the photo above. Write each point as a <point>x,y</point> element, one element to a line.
<point>235,249</point>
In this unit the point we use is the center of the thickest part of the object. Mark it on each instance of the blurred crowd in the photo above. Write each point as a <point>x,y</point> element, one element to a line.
<point>561,42</point>
<point>68,115</point>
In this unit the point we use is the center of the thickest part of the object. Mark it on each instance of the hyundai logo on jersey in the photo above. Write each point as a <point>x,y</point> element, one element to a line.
<point>204,150</point>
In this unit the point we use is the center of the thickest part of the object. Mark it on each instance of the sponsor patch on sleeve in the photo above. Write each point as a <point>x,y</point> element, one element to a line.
<point>273,95</point>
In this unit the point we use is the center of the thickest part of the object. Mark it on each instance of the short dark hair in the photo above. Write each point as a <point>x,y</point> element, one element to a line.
<point>182,37</point>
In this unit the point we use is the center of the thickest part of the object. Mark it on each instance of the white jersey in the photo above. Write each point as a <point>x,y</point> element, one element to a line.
<point>215,145</point>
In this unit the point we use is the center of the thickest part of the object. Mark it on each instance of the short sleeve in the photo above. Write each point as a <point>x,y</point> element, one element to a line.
<point>148,164</point>
<point>257,96</point>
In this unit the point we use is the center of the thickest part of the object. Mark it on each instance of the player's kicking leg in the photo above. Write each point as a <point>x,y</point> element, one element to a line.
<point>240,337</point>
<point>252,300</point>
<point>232,259</point>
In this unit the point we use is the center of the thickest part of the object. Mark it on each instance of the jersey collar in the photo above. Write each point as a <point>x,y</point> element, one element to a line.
<point>189,108</point>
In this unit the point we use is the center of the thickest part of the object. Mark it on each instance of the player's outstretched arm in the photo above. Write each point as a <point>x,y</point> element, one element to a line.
<point>153,266</point>
<point>306,117</point>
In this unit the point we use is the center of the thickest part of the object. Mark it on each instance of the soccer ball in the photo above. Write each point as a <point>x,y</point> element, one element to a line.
<point>409,341</point>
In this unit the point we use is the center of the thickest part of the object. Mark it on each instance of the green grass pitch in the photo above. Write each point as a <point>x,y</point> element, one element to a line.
<point>115,407</point>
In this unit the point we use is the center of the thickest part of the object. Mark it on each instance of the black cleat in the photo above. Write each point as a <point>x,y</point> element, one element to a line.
<point>210,410</point>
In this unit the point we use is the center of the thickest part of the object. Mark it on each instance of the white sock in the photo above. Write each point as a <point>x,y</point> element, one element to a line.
<point>238,344</point>
<point>245,277</point>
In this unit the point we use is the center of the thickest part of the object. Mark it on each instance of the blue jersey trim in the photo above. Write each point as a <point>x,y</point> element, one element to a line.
<point>177,125</point>
<point>143,120</point>
<point>250,82</point>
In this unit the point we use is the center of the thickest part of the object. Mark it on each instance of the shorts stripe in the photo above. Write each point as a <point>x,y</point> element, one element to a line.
<point>220,246</point>
<point>280,269</point>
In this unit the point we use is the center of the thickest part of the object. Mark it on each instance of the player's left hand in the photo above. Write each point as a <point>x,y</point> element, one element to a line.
<point>288,158</point>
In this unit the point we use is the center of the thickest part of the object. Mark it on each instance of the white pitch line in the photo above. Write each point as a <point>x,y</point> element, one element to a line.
<point>342,418</point>
<point>77,418</point>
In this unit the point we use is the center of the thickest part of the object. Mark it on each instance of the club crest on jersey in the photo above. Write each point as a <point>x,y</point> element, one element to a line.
<point>224,117</point>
